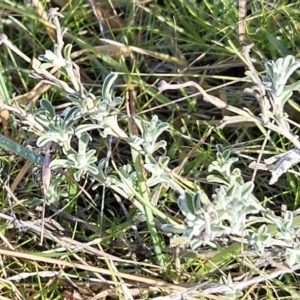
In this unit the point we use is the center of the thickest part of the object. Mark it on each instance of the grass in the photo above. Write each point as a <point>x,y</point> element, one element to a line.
<point>120,251</point>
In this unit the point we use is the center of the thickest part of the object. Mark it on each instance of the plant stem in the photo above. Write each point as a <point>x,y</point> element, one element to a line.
<point>148,211</point>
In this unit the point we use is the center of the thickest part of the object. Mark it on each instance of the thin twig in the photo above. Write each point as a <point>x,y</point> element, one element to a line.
<point>163,85</point>
<point>210,288</point>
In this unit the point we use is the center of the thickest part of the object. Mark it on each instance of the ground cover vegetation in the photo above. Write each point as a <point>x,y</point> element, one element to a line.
<point>149,149</point>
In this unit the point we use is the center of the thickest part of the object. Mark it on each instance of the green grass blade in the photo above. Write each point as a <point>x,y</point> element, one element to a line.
<point>18,149</point>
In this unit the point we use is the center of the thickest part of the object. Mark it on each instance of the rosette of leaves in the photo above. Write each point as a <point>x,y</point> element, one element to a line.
<point>231,180</point>
<point>104,109</point>
<point>56,128</point>
<point>59,129</point>
<point>150,131</point>
<point>190,206</point>
<point>233,206</point>
<point>202,223</point>
<point>79,162</point>
<point>109,178</point>
<point>157,168</point>
<point>147,144</point>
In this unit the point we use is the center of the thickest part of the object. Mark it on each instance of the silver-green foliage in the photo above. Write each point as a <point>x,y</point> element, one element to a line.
<point>234,213</point>
<point>87,112</point>
<point>275,83</point>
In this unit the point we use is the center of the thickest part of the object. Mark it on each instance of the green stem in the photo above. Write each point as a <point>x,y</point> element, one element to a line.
<point>147,207</point>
